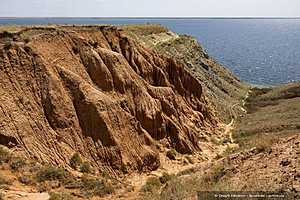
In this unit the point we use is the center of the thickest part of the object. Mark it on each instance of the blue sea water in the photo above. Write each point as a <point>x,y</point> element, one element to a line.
<point>259,51</point>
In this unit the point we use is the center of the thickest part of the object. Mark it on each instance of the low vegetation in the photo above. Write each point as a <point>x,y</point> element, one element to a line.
<point>171,154</point>
<point>4,155</point>
<point>152,184</point>
<point>75,161</point>
<point>26,179</point>
<point>17,163</point>
<point>50,173</point>
<point>60,196</point>
<point>149,29</point>
<point>96,186</point>
<point>85,167</point>
<point>4,181</point>
<point>55,180</point>
<point>165,178</point>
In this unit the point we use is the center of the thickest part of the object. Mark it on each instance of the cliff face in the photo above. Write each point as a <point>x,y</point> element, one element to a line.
<point>95,91</point>
<point>223,89</point>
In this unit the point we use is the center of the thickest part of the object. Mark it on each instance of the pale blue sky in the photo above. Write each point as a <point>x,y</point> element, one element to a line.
<point>148,8</point>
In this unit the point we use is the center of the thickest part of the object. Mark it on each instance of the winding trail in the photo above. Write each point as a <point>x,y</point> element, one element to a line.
<point>230,126</point>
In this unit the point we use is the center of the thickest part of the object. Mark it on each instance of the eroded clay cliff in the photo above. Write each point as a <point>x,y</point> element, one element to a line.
<point>223,89</point>
<point>95,91</point>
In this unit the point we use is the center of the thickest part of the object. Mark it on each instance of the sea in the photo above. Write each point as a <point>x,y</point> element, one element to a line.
<point>259,51</point>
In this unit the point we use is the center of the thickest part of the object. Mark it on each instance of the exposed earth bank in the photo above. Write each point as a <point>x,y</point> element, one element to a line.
<point>136,112</point>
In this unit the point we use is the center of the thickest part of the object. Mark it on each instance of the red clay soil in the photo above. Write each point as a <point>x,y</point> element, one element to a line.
<point>94,91</point>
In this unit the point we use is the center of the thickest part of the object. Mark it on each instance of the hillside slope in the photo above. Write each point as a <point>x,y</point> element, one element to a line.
<point>263,157</point>
<point>223,89</point>
<point>95,91</point>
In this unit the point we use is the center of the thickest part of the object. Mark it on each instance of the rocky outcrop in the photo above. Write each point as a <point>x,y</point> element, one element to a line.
<point>95,91</point>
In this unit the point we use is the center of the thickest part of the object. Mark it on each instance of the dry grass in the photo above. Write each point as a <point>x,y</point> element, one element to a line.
<point>272,113</point>
<point>145,29</point>
<point>152,184</point>
<point>96,186</point>
<point>60,196</point>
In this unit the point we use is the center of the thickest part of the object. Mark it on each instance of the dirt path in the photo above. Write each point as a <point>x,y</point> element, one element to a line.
<point>229,127</point>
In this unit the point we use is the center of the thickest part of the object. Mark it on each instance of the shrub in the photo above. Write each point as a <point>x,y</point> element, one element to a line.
<point>7,45</point>
<point>152,183</point>
<point>72,183</point>
<point>60,196</point>
<point>96,187</point>
<point>5,34</point>
<point>27,180</point>
<point>49,173</point>
<point>4,155</point>
<point>265,143</point>
<point>176,189</point>
<point>105,174</point>
<point>75,50</point>
<point>214,174</point>
<point>85,167</point>
<point>17,163</point>
<point>165,178</point>
<point>27,40</point>
<point>75,161</point>
<point>171,154</point>
<point>4,181</point>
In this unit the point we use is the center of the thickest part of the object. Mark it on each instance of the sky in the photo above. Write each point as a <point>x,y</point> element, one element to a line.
<point>149,8</point>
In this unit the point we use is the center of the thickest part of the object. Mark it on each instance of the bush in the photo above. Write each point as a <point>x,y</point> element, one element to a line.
<point>105,174</point>
<point>6,34</point>
<point>96,187</point>
<point>152,183</point>
<point>214,174</point>
<point>27,180</point>
<point>72,183</point>
<point>50,173</point>
<point>60,196</point>
<point>4,155</point>
<point>85,167</point>
<point>171,154</point>
<point>4,181</point>
<point>7,45</point>
<point>75,50</point>
<point>75,161</point>
<point>165,178</point>
<point>17,163</point>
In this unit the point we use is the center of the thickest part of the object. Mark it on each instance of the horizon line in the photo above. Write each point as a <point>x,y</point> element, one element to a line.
<point>154,17</point>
